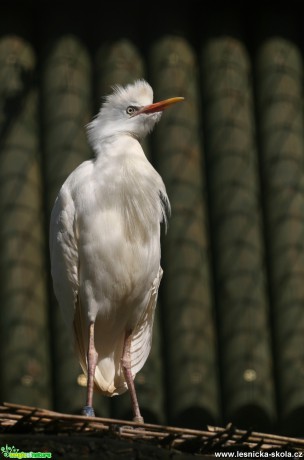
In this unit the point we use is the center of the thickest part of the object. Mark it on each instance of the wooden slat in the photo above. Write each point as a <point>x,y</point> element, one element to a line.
<point>33,420</point>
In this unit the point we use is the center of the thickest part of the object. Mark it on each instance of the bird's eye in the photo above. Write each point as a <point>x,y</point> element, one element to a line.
<point>131,110</point>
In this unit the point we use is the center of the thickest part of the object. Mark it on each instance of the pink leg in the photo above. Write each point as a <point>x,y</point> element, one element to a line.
<point>126,366</point>
<point>92,361</point>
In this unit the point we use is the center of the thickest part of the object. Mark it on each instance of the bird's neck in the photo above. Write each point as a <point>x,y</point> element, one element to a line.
<point>133,184</point>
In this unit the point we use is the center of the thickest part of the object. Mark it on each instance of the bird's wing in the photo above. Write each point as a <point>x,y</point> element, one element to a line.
<point>142,334</point>
<point>64,255</point>
<point>65,269</point>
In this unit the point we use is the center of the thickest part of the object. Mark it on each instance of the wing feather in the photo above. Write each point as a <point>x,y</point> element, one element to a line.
<point>64,256</point>
<point>142,334</point>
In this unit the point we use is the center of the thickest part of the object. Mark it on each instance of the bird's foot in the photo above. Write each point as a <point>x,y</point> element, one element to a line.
<point>121,428</point>
<point>138,419</point>
<point>88,411</point>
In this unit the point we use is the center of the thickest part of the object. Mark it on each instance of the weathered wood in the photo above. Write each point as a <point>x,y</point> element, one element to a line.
<point>37,430</point>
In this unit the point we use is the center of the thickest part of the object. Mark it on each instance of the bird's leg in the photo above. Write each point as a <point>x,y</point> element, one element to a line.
<point>92,361</point>
<point>126,366</point>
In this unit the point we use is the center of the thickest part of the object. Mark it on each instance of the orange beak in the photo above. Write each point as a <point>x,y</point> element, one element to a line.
<point>159,106</point>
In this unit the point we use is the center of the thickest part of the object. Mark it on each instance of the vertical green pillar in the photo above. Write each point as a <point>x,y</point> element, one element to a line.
<point>279,70</point>
<point>66,109</point>
<point>120,63</point>
<point>187,305</point>
<point>117,62</point>
<point>240,274</point>
<point>24,336</point>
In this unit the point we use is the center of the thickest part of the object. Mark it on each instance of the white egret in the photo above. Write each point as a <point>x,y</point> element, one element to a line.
<point>105,244</point>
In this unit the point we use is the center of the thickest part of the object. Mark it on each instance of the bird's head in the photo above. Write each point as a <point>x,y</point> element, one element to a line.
<point>130,110</point>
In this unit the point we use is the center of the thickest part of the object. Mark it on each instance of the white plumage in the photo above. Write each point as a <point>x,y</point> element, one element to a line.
<point>105,244</point>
